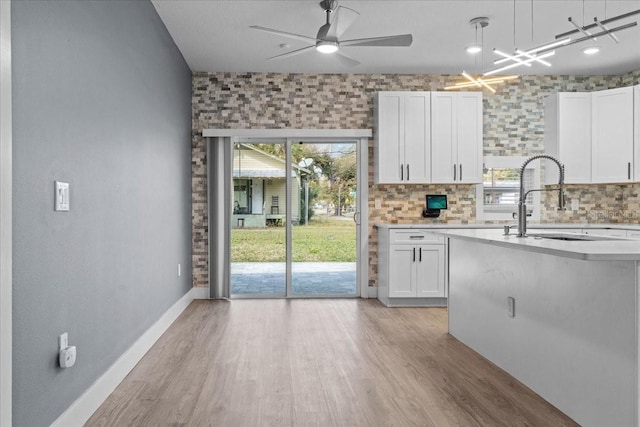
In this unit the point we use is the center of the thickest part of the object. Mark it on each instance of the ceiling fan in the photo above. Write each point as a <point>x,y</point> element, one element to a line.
<point>339,19</point>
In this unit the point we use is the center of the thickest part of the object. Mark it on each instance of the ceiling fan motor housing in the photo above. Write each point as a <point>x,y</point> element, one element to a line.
<point>329,5</point>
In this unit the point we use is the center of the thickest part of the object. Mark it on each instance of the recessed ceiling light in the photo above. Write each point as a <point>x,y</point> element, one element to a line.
<point>591,50</point>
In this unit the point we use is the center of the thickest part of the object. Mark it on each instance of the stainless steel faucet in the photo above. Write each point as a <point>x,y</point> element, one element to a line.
<point>522,207</point>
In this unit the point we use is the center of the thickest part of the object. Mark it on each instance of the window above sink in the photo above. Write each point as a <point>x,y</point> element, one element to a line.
<point>497,196</point>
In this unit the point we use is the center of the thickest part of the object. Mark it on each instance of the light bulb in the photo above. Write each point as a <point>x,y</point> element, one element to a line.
<point>591,50</point>
<point>474,48</point>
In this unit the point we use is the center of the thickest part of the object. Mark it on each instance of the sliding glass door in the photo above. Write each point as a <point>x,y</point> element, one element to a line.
<point>258,219</point>
<point>293,222</point>
<point>323,243</point>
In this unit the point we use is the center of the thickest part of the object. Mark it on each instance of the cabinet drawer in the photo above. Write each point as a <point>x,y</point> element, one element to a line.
<point>413,237</point>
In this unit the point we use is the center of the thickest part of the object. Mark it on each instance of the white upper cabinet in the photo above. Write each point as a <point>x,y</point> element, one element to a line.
<point>456,137</point>
<point>612,135</point>
<point>567,136</point>
<point>402,138</point>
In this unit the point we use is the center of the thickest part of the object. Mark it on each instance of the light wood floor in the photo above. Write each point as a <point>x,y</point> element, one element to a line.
<point>320,362</point>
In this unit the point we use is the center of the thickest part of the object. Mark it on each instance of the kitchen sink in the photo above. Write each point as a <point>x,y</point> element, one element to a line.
<point>572,237</point>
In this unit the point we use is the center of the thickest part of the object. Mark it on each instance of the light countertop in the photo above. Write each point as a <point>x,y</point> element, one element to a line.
<point>600,250</point>
<point>500,226</point>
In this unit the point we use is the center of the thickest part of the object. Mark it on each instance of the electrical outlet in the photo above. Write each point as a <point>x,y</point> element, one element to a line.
<point>67,357</point>
<point>575,204</point>
<point>511,306</point>
<point>66,353</point>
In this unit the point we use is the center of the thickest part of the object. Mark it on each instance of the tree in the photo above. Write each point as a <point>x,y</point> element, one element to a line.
<point>313,195</point>
<point>333,168</point>
<point>340,171</point>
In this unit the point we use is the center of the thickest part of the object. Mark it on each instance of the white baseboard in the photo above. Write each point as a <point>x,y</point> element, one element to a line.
<point>200,293</point>
<point>81,410</point>
<point>373,292</point>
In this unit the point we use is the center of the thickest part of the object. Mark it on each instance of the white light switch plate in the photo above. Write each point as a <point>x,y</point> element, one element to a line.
<point>61,196</point>
<point>511,306</point>
<point>63,341</point>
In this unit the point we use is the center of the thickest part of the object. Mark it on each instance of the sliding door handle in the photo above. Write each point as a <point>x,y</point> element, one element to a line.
<point>356,217</point>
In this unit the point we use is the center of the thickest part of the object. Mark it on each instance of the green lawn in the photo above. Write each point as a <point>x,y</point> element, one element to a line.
<point>323,240</point>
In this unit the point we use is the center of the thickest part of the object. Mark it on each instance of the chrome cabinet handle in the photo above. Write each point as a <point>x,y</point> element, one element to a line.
<point>416,237</point>
<point>460,171</point>
<point>420,254</point>
<point>629,170</point>
<point>414,254</point>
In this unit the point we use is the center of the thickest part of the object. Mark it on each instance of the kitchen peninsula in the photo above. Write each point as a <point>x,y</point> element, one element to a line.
<point>560,316</point>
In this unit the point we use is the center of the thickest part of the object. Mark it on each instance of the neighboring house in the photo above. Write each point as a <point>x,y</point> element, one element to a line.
<point>259,188</point>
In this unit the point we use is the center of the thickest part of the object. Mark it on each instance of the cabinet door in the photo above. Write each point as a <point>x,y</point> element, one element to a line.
<point>402,271</point>
<point>443,137</point>
<point>612,135</point>
<point>417,137</point>
<point>469,141</point>
<point>389,137</point>
<point>568,136</point>
<point>430,271</point>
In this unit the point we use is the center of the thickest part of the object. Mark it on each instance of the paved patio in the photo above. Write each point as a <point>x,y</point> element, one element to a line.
<point>308,278</point>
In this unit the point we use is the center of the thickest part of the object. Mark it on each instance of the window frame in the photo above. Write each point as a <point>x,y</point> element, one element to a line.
<point>508,162</point>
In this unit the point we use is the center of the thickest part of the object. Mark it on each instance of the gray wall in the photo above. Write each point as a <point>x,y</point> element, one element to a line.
<point>102,100</point>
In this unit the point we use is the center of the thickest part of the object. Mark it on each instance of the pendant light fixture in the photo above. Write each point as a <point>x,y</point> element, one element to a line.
<point>528,57</point>
<point>481,21</point>
<point>604,30</point>
<point>479,82</point>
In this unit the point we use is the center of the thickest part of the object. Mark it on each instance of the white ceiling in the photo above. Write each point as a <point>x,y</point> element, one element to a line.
<point>215,36</point>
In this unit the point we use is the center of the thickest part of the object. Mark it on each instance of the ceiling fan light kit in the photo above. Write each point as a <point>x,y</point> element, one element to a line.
<point>327,46</point>
<point>327,40</point>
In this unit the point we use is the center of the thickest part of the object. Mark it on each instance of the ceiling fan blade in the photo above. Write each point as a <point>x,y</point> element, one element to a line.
<point>399,40</point>
<point>284,33</point>
<point>342,20</point>
<point>346,60</point>
<point>292,53</point>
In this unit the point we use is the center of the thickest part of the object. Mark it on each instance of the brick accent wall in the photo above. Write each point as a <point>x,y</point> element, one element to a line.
<point>513,125</point>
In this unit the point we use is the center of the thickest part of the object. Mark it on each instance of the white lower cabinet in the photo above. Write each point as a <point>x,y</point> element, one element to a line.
<point>633,234</point>
<point>411,267</point>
